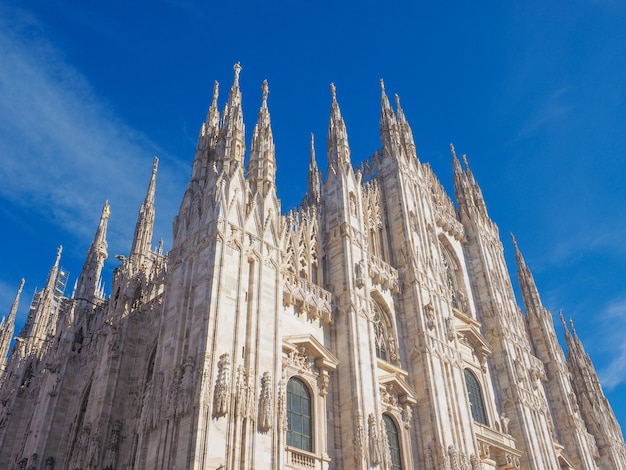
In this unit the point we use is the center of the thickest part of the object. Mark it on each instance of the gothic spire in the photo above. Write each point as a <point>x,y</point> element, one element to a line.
<point>406,134</point>
<point>595,409</point>
<point>207,139</point>
<point>7,328</point>
<point>262,165</point>
<point>89,282</point>
<point>142,241</point>
<point>468,194</point>
<point>530,293</point>
<point>389,137</point>
<point>231,146</point>
<point>43,311</point>
<point>338,150</point>
<point>314,175</point>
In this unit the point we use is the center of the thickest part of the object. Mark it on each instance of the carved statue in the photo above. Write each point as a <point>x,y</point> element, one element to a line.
<point>474,462</point>
<point>222,386</point>
<point>407,414</point>
<point>110,455</point>
<point>282,404</point>
<point>374,444</point>
<point>186,386</point>
<point>504,422</point>
<point>360,274</point>
<point>266,408</point>
<point>358,440</point>
<point>453,453</point>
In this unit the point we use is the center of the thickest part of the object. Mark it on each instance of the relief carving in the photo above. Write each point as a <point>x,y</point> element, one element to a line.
<point>222,386</point>
<point>112,449</point>
<point>374,447</point>
<point>266,407</point>
<point>186,387</point>
<point>358,441</point>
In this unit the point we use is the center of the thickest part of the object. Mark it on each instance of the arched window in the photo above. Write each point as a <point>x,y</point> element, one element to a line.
<point>380,335</point>
<point>475,397</point>
<point>450,278</point>
<point>300,427</point>
<point>394,442</point>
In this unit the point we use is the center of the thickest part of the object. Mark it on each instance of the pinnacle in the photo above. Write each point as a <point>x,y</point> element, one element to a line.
<point>266,92</point>
<point>237,68</point>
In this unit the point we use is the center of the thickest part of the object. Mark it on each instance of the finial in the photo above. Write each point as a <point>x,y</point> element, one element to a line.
<point>237,68</point>
<point>571,324</point>
<point>21,286</point>
<point>106,210</point>
<point>266,92</point>
<point>382,85</point>
<point>465,161</point>
<point>155,165</point>
<point>452,150</point>
<point>397,101</point>
<point>333,91</point>
<point>59,251</point>
<point>216,87</point>
<point>514,241</point>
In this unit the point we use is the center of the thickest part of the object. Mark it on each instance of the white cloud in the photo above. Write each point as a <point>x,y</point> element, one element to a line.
<point>613,331</point>
<point>551,110</point>
<point>63,150</point>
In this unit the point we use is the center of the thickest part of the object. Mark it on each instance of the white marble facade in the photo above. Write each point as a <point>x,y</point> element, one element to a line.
<point>372,327</point>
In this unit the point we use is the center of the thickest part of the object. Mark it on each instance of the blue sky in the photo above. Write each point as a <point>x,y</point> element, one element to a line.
<point>532,91</point>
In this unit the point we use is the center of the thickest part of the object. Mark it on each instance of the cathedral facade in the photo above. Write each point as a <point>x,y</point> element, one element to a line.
<point>372,327</point>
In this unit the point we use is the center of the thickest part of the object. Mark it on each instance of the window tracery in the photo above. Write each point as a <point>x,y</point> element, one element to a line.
<point>384,337</point>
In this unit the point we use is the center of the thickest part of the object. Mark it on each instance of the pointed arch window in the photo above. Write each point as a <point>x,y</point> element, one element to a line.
<point>450,279</point>
<point>380,335</point>
<point>393,440</point>
<point>299,421</point>
<point>475,394</point>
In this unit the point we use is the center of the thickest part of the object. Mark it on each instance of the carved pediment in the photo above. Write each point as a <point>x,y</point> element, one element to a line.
<point>392,378</point>
<point>476,341</point>
<point>322,357</point>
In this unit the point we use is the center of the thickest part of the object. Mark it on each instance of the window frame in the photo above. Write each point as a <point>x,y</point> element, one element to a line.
<point>290,413</point>
<point>475,390</point>
<point>390,422</point>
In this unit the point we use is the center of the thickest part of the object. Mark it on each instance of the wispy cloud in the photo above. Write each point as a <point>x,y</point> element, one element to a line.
<point>63,150</point>
<point>551,109</point>
<point>613,331</point>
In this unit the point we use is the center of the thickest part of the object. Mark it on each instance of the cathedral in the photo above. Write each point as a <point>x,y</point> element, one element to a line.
<point>374,326</point>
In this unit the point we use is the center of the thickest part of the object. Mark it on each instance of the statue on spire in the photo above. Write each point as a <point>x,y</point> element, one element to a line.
<point>237,68</point>
<point>266,92</point>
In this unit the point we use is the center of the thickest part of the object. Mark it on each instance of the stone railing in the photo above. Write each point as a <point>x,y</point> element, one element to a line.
<point>307,297</point>
<point>298,458</point>
<point>383,274</point>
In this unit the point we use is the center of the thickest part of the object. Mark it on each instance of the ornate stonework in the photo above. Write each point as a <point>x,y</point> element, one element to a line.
<point>374,326</point>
